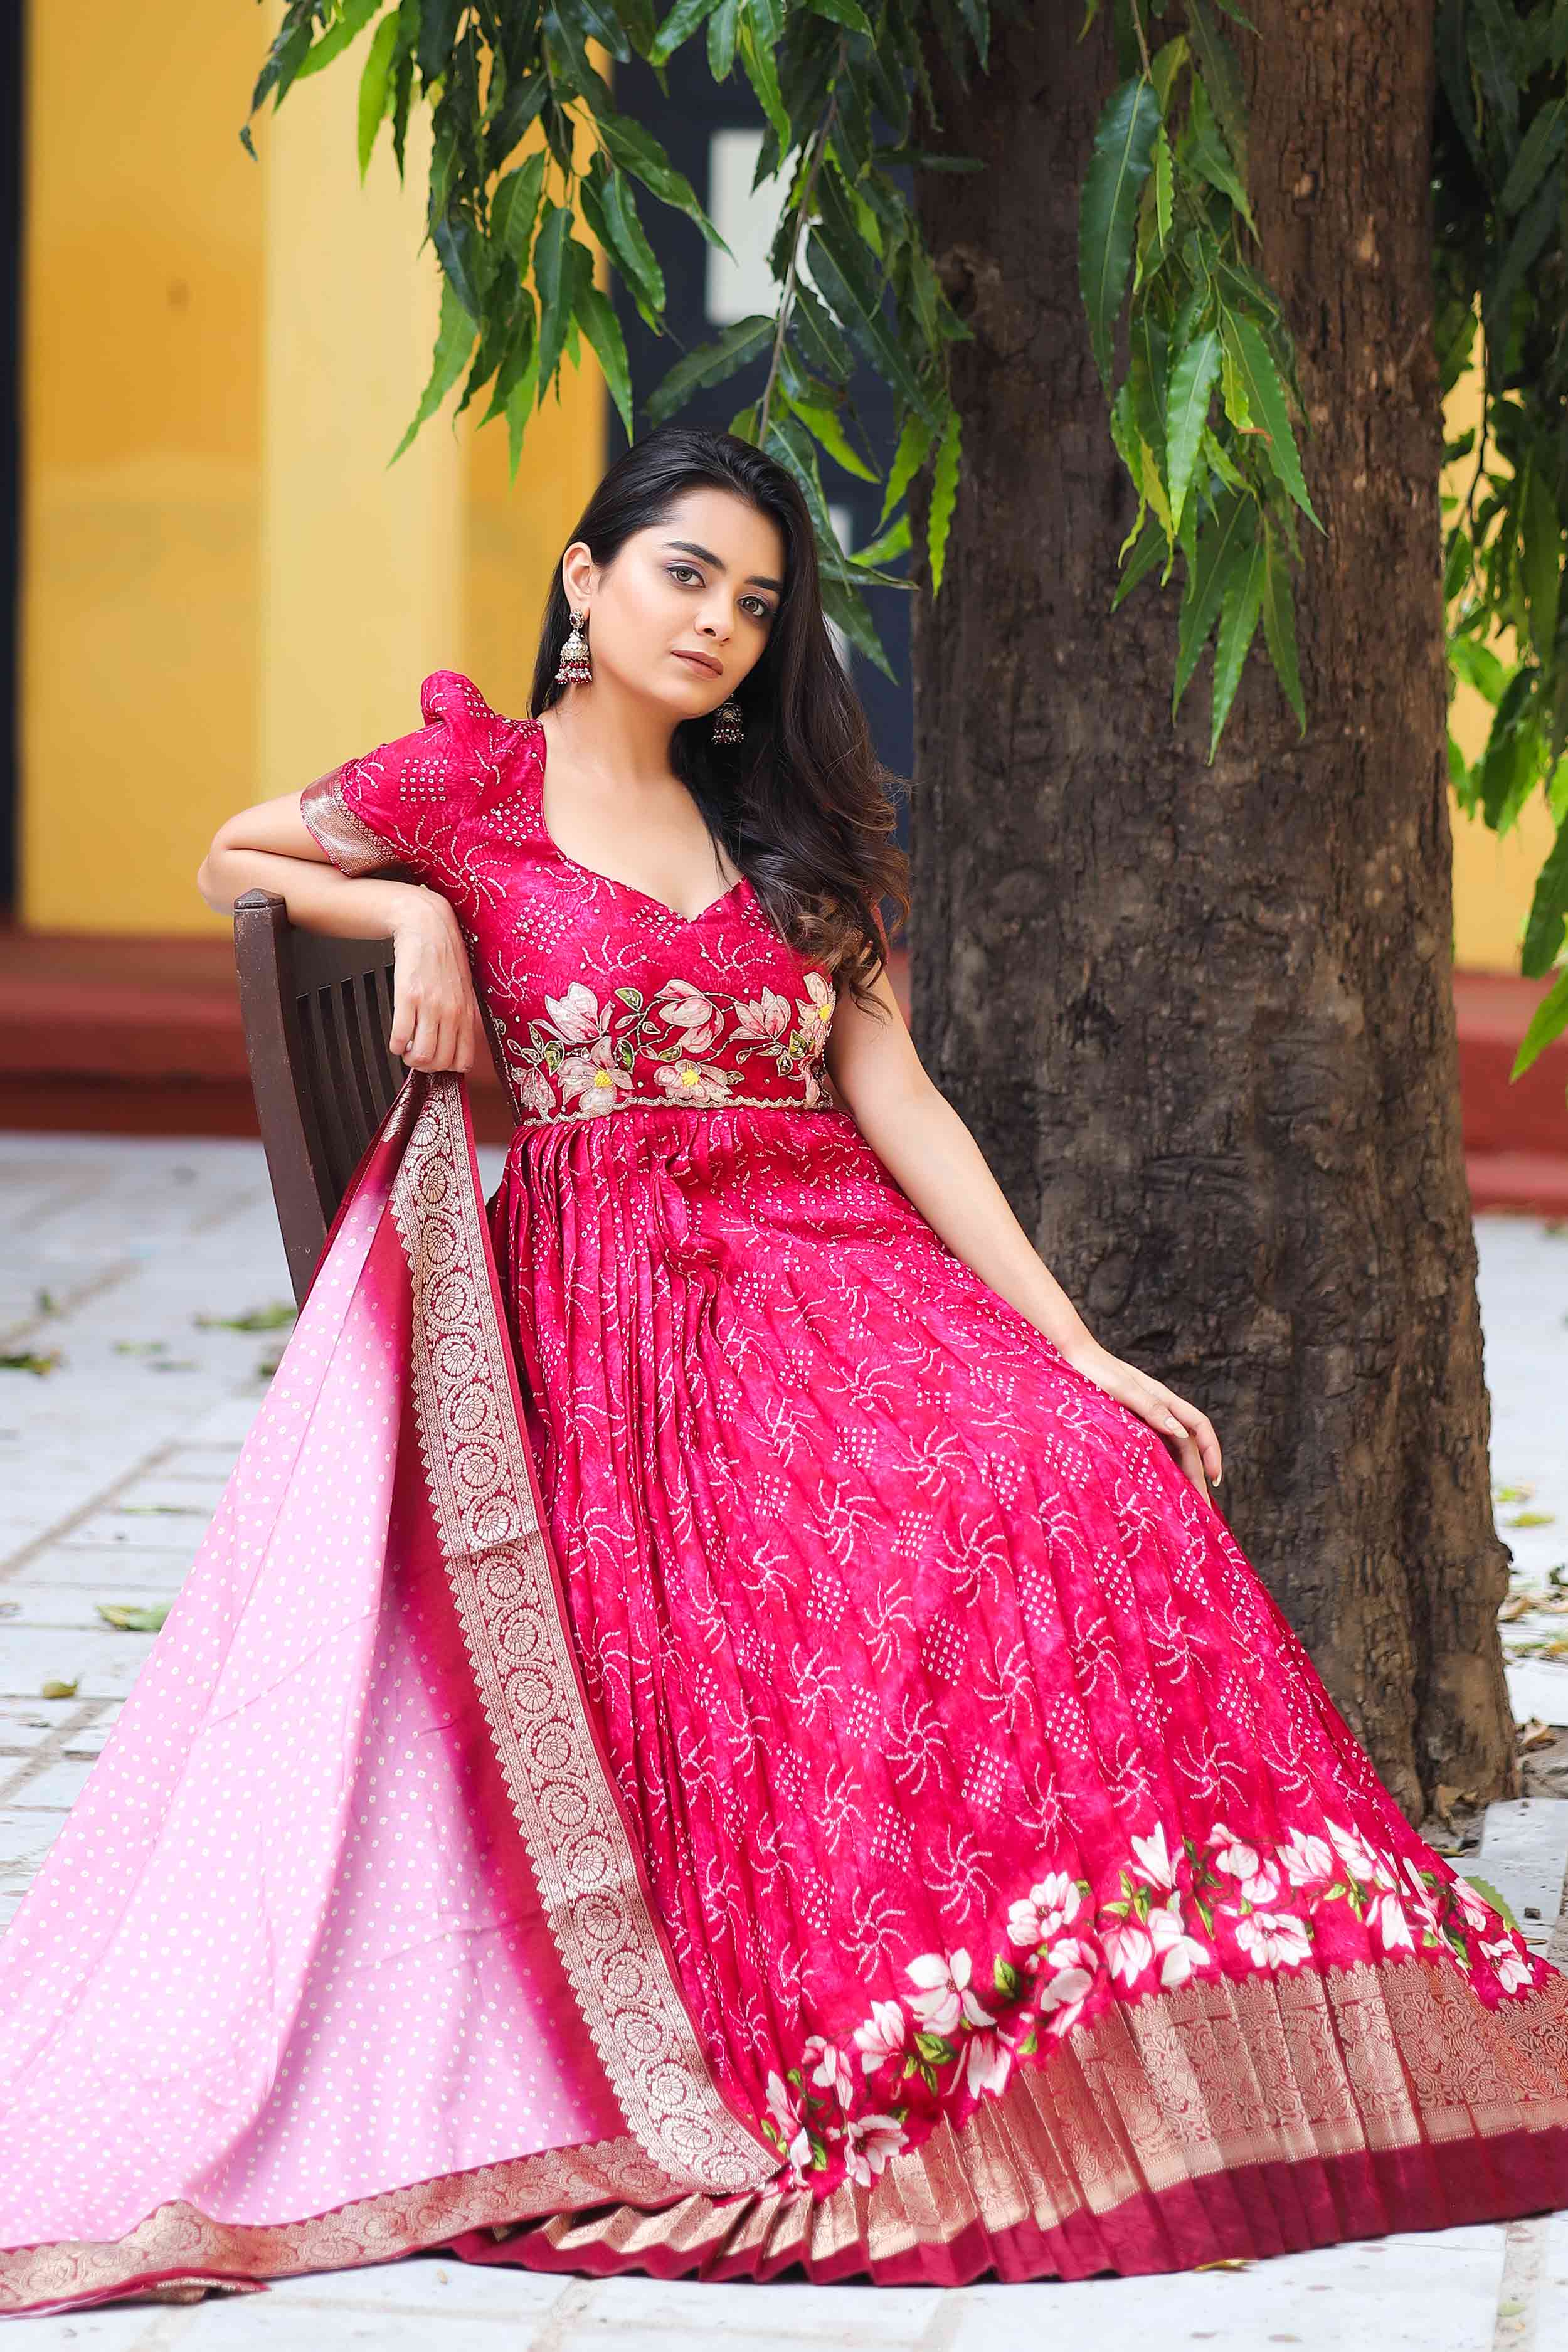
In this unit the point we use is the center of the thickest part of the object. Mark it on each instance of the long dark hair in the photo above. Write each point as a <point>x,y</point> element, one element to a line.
<point>801,804</point>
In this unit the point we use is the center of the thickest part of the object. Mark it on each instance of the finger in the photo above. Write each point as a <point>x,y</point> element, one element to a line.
<point>1201,1428</point>
<point>404,1014</point>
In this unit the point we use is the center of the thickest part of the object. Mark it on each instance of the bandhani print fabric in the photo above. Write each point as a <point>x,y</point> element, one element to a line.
<point>696,1741</point>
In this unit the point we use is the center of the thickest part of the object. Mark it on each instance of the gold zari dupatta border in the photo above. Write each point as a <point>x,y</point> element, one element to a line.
<point>480,1488</point>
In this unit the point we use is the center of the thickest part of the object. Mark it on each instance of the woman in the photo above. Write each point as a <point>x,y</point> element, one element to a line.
<point>715,1727</point>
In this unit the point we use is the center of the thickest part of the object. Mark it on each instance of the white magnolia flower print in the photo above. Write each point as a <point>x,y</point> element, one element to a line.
<point>688,1082</point>
<point>868,2142</point>
<point>1308,1860</point>
<point>578,1018</point>
<point>1129,1948</point>
<point>1062,1995</point>
<point>988,2064</point>
<point>945,1993</point>
<point>1178,1952</point>
<point>763,1020</point>
<point>1476,1912</point>
<point>883,2036</point>
<point>815,1008</point>
<point>829,2068</point>
<point>1155,1857</point>
<point>1358,1857</point>
<point>1513,1967</point>
<point>1392,1924</point>
<point>1260,1880</point>
<point>1047,1906</point>
<point>594,1081</point>
<point>786,2115</point>
<point>1273,1940</point>
<point>684,1005</point>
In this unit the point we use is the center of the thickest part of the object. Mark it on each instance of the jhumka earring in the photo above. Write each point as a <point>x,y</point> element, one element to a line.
<point>575,668</point>
<point>727,726</point>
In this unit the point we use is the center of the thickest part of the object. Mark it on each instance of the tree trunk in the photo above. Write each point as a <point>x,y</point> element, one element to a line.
<point>1201,1019</point>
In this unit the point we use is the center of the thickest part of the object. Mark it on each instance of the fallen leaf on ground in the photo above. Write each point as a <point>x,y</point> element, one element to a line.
<point>260,1319</point>
<point>129,1617</point>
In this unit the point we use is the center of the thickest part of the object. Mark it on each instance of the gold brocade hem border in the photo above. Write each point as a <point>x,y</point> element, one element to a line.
<point>497,1563</point>
<point>348,841</point>
<point>187,2252</point>
<point>1152,2095</point>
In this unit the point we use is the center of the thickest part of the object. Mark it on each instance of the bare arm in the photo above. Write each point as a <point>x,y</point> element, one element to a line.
<point>435,1022</point>
<point>928,1149</point>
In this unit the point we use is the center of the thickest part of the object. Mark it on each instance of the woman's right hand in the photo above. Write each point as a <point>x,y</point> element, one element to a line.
<point>436,1019</point>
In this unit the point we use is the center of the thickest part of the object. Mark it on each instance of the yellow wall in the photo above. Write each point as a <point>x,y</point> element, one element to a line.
<point>223,588</point>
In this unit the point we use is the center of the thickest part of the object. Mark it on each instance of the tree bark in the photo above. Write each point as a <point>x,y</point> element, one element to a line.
<point>1201,1018</point>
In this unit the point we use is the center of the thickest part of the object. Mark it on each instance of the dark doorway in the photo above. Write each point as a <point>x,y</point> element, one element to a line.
<point>710,134</point>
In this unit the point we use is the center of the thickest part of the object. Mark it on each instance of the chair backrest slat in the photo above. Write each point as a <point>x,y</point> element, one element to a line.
<point>316,1013</point>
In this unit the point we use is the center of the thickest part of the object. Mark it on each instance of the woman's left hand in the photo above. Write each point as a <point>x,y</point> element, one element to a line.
<point>1189,1433</point>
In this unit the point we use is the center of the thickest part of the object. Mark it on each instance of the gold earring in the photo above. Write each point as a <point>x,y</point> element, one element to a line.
<point>727,721</point>
<point>575,668</point>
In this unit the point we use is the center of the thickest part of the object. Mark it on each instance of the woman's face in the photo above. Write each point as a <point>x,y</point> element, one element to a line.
<point>707,579</point>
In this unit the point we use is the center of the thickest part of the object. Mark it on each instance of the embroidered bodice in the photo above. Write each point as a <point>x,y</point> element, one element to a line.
<point>598,995</point>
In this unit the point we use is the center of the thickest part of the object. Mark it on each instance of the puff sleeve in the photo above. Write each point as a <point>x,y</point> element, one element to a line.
<point>405,803</point>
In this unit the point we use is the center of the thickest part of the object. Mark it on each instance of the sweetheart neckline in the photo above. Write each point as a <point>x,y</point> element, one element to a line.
<point>613,881</point>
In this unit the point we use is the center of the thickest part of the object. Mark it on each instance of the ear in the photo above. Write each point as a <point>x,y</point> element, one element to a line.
<point>577,575</point>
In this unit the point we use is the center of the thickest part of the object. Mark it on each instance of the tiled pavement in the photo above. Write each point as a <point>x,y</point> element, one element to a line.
<point>110,1465</point>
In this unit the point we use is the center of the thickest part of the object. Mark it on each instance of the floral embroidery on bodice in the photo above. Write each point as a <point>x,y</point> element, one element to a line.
<point>598,994</point>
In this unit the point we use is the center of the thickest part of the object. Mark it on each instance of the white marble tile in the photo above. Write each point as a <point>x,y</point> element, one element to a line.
<point>1418,2291</point>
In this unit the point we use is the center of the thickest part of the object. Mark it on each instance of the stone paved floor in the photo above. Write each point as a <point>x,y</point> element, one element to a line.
<point>110,1464</point>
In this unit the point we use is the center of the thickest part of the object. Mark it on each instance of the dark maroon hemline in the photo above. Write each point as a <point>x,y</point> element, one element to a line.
<point>1246,2212</point>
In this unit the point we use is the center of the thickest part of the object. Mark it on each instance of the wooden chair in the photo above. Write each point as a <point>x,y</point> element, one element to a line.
<point>316,1013</point>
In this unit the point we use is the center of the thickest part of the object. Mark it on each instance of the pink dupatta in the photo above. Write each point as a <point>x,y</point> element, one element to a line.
<point>344,1949</point>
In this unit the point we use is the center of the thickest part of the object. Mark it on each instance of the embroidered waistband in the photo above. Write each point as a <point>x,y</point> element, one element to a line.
<point>669,1102</point>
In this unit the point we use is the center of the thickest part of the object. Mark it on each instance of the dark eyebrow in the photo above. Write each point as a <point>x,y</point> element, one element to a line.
<point>754,578</point>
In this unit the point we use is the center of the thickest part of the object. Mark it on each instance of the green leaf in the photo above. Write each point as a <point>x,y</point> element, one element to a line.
<point>1549,1020</point>
<point>514,208</point>
<point>711,364</point>
<point>1221,549</point>
<point>1541,560</point>
<point>683,21</point>
<point>374,87</point>
<point>1149,551</point>
<point>134,1617</point>
<point>638,152</point>
<point>935,2049</point>
<point>1222,81</point>
<point>1203,150</point>
<point>1544,933</point>
<point>1279,626</point>
<point>1192,379</point>
<point>943,497</point>
<point>453,341</point>
<point>868,327</point>
<point>845,12</point>
<point>1164,198</point>
<point>1265,396</point>
<point>554,281</point>
<point>597,318</point>
<point>1538,150</point>
<point>723,33</point>
<point>761,72</point>
<point>1488,1894</point>
<point>356,15</point>
<point>1477,666</point>
<point>1124,152</point>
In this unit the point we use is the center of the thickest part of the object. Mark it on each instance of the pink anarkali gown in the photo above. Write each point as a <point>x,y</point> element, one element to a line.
<point>696,1741</point>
